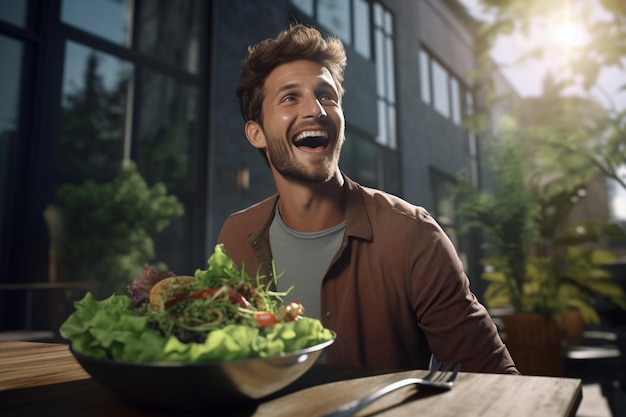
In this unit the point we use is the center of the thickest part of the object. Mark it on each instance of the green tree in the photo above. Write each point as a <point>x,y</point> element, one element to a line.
<point>600,145</point>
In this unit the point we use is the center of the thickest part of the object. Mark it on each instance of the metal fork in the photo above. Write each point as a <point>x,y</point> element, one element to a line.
<point>444,380</point>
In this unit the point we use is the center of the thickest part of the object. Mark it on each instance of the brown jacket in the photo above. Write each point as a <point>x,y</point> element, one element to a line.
<point>395,291</point>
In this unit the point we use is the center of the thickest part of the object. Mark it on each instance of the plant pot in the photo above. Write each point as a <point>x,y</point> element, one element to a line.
<point>573,326</point>
<point>534,342</point>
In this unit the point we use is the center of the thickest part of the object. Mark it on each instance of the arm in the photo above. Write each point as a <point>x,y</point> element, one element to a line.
<point>457,326</point>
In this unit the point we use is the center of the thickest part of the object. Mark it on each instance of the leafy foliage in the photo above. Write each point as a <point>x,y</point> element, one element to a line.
<point>520,217</point>
<point>506,215</point>
<point>108,226</point>
<point>600,146</point>
<point>570,277</point>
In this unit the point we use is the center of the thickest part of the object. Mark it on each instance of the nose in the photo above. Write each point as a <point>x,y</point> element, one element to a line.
<point>313,108</point>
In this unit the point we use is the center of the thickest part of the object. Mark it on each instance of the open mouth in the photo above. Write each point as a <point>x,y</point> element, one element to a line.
<point>313,139</point>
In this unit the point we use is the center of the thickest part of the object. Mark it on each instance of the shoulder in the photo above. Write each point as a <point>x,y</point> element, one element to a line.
<point>244,223</point>
<point>382,203</point>
<point>243,234</point>
<point>385,219</point>
<point>252,214</point>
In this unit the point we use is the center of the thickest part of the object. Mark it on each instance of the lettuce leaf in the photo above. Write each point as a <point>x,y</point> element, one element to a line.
<point>114,329</point>
<point>221,267</point>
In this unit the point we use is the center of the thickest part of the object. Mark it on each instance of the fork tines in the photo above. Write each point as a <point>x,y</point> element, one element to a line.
<point>440,373</point>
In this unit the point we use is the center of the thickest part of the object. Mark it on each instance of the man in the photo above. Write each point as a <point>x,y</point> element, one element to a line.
<point>377,270</point>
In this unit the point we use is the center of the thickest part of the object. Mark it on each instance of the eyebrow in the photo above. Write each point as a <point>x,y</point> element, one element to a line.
<point>322,85</point>
<point>286,87</point>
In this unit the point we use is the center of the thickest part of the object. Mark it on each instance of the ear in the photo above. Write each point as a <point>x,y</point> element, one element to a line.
<point>255,135</point>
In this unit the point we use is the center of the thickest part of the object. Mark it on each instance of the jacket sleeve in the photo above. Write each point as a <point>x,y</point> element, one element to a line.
<point>458,328</point>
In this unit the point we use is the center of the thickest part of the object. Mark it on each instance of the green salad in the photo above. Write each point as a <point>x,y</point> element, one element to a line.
<point>219,314</point>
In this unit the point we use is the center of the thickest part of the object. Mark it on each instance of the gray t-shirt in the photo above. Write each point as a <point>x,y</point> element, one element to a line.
<point>301,260</point>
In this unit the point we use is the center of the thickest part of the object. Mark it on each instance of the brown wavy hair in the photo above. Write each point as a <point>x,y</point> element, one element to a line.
<point>294,43</point>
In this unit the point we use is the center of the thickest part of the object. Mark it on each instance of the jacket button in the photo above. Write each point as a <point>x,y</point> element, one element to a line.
<point>328,313</point>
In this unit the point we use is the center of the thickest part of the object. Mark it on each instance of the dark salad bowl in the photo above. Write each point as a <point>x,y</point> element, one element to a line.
<point>200,385</point>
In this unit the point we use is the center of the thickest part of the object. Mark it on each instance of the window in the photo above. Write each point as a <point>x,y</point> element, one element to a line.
<point>94,102</point>
<point>361,161</point>
<point>444,210</point>
<point>441,99</point>
<point>350,21</point>
<point>12,50</point>
<point>455,101</point>
<point>335,15</point>
<point>170,31</point>
<point>94,84</point>
<point>362,28</point>
<point>472,141</point>
<point>306,6</point>
<point>14,12</point>
<point>166,128</point>
<point>385,77</point>
<point>425,82</point>
<point>11,75</point>
<point>137,99</point>
<point>347,19</point>
<point>442,188</point>
<point>440,89</point>
<point>369,163</point>
<point>109,20</point>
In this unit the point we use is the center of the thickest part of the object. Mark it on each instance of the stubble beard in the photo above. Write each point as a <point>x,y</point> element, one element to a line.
<point>288,167</point>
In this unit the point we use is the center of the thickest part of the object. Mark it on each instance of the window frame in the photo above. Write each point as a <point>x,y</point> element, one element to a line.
<point>455,104</point>
<point>313,11</point>
<point>36,176</point>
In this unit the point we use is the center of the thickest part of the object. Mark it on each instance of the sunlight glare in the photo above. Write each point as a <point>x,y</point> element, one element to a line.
<point>568,34</point>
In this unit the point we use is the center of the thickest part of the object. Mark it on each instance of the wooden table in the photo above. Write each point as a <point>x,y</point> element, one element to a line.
<point>43,378</point>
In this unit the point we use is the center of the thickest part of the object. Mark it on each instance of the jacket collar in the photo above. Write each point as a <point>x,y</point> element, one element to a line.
<point>357,220</point>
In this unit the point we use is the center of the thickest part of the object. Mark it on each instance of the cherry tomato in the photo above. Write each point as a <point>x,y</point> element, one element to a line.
<point>265,318</point>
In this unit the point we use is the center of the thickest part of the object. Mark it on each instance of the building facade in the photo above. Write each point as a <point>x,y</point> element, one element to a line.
<point>88,84</point>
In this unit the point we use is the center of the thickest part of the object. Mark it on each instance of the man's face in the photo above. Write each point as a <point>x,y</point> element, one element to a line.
<point>303,122</point>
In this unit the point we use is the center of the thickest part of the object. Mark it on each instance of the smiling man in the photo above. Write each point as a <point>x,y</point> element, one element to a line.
<point>377,270</point>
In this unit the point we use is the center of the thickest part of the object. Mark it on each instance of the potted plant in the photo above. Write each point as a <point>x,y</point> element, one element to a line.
<point>538,267</point>
<point>563,274</point>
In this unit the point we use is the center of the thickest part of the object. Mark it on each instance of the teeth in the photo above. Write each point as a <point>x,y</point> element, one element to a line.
<point>311,134</point>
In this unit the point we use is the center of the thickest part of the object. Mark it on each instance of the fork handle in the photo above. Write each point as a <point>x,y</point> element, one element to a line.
<point>352,407</point>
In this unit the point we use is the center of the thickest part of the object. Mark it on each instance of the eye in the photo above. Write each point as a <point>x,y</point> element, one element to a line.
<point>328,100</point>
<point>327,97</point>
<point>287,99</point>
<point>326,93</point>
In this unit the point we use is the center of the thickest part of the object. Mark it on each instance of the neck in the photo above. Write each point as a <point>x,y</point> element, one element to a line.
<point>311,207</point>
